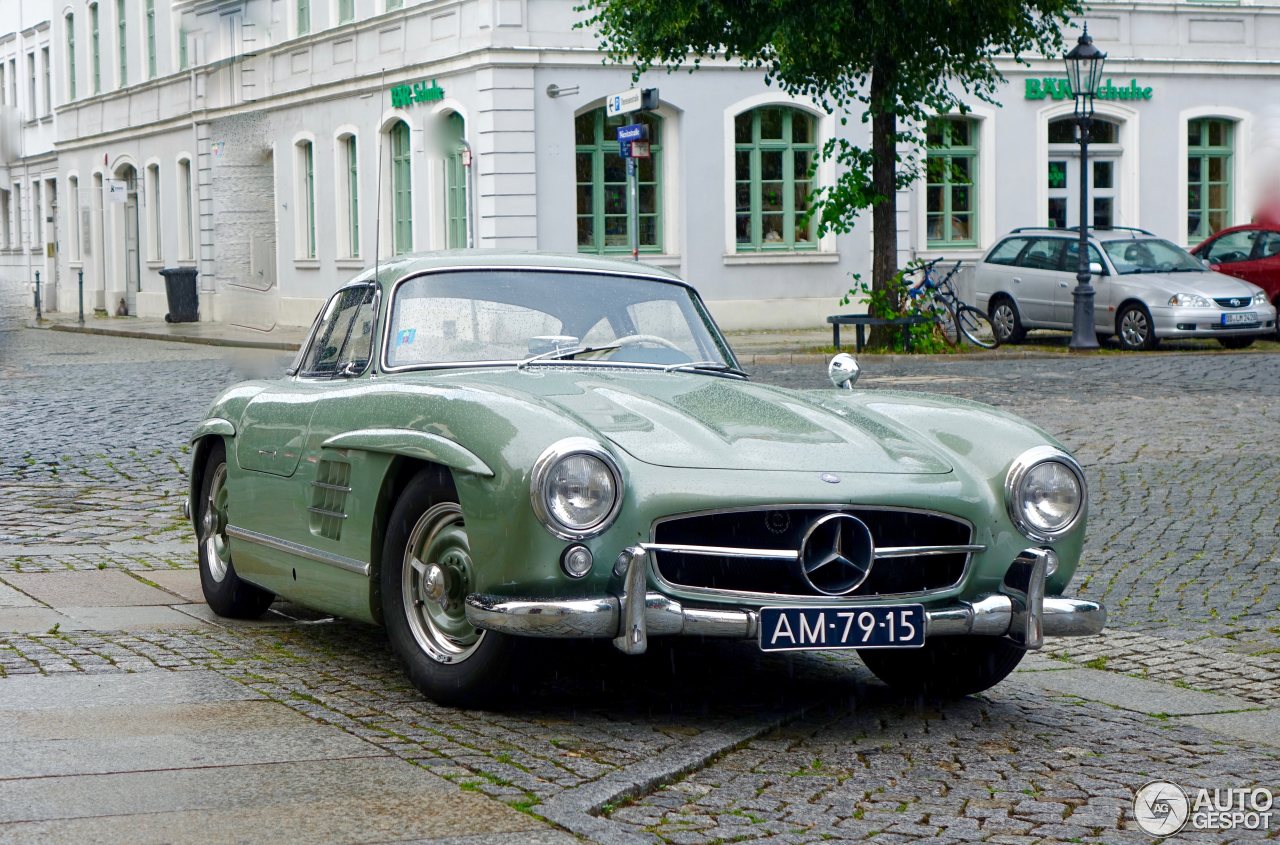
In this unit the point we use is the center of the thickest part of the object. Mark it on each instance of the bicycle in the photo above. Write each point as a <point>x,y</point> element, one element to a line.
<point>955,317</point>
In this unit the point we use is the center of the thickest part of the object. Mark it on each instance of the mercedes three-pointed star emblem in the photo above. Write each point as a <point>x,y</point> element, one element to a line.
<point>836,554</point>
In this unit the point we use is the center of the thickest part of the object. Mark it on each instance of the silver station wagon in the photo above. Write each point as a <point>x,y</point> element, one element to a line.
<point>1146,289</point>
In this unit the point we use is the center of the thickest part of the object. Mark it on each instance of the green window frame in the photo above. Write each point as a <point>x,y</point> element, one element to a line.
<point>151,38</point>
<point>353,197</point>
<point>775,148</point>
<point>401,190</point>
<point>95,49</point>
<point>304,16</point>
<point>602,184</point>
<point>1210,143</point>
<point>951,180</point>
<point>183,61</point>
<point>346,11</point>
<point>70,22</point>
<point>394,4</point>
<point>122,42</point>
<point>455,182</point>
<point>307,152</point>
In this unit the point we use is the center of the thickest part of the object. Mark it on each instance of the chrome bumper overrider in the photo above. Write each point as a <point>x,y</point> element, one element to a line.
<point>1020,611</point>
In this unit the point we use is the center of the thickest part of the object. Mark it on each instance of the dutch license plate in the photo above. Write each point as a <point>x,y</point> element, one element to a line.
<point>1243,318</point>
<point>822,628</point>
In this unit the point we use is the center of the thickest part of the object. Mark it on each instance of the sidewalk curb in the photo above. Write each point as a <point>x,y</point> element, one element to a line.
<point>277,345</point>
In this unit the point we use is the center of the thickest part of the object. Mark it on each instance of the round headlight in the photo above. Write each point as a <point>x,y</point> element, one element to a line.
<point>576,488</point>
<point>1045,493</point>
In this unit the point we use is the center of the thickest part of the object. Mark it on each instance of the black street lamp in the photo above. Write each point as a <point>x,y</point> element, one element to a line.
<point>1084,74</point>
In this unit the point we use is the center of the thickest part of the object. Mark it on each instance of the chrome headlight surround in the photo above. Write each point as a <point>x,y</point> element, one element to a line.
<point>1191,300</point>
<point>539,492</point>
<point>1015,491</point>
<point>1260,298</point>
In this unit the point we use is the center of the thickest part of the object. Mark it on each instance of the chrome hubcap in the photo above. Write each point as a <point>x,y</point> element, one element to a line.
<point>434,580</point>
<point>213,526</point>
<point>1133,328</point>
<point>1003,321</point>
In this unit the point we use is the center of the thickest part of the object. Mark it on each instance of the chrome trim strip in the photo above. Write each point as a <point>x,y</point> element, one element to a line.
<point>324,485</point>
<point>323,512</point>
<point>289,547</point>
<point>921,551</point>
<point>597,618</point>
<point>722,551</point>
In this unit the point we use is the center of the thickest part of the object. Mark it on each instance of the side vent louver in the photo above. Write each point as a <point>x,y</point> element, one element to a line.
<point>329,498</point>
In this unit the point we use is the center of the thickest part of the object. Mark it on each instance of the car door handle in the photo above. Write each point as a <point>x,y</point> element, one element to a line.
<point>1017,280</point>
<point>267,453</point>
<point>1062,284</point>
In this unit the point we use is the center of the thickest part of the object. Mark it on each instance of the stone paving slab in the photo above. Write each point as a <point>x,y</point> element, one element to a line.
<point>9,597</point>
<point>44,692</point>
<point>339,801</point>
<point>107,588</point>
<point>137,618</point>
<point>33,620</point>
<point>1134,694</point>
<point>141,720</point>
<point>1260,726</point>
<point>180,582</point>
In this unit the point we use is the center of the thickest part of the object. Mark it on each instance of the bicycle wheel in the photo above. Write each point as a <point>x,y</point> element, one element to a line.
<point>976,327</point>
<point>947,324</point>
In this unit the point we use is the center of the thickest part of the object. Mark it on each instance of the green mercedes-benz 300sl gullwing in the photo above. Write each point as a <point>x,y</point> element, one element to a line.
<point>475,447</point>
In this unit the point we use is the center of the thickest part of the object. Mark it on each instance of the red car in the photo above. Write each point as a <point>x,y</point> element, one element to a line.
<point>1250,252</point>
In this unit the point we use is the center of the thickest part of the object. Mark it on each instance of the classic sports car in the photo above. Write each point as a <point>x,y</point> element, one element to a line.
<point>475,447</point>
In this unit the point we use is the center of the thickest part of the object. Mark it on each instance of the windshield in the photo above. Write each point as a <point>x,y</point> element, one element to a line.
<point>1150,255</point>
<point>541,317</point>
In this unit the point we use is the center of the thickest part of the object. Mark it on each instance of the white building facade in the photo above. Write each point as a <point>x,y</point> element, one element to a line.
<point>279,147</point>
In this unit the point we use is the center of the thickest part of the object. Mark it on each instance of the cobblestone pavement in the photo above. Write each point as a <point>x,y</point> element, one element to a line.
<point>684,745</point>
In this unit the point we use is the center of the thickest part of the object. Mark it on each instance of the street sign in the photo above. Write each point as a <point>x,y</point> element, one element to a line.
<point>639,149</point>
<point>627,101</point>
<point>633,132</point>
<point>624,149</point>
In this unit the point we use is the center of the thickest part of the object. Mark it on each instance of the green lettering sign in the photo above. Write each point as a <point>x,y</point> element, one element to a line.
<point>1060,89</point>
<point>415,92</point>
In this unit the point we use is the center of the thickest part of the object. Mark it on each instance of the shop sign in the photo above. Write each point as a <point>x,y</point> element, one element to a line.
<point>415,92</point>
<point>1060,89</point>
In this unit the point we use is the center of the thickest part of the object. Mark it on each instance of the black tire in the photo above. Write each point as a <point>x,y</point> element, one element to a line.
<point>224,591</point>
<point>1134,328</point>
<point>1006,320</point>
<point>446,658</point>
<point>946,667</point>
<point>976,327</point>
<point>1236,342</point>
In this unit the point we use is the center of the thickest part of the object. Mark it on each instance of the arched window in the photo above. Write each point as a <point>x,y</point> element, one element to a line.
<point>186,212</point>
<point>95,49</point>
<point>305,218</point>
<point>1209,148</point>
<point>602,184</point>
<point>774,153</point>
<point>455,182</point>
<point>70,23</point>
<point>122,44</point>
<point>951,170</point>
<point>73,215</point>
<point>1064,175</point>
<point>401,189</point>
<point>348,185</point>
<point>152,188</point>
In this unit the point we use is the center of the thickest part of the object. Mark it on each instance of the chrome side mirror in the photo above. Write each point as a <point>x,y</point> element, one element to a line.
<point>1095,269</point>
<point>843,371</point>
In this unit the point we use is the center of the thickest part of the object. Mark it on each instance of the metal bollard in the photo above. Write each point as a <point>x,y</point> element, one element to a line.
<point>81,274</point>
<point>39,316</point>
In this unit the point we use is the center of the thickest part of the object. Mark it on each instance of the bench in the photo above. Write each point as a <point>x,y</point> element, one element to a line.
<point>861,321</point>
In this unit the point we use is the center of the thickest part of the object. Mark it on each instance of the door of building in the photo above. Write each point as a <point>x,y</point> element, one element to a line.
<point>1063,174</point>
<point>455,182</point>
<point>132,254</point>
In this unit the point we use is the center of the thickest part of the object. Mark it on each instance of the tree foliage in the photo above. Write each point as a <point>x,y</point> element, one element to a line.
<point>901,61</point>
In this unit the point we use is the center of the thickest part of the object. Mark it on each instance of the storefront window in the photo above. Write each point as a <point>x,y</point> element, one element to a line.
<point>602,184</point>
<point>951,169</point>
<point>1209,143</point>
<point>307,199</point>
<point>455,182</point>
<point>774,152</point>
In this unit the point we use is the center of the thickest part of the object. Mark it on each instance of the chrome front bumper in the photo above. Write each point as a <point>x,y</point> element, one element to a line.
<point>1020,611</point>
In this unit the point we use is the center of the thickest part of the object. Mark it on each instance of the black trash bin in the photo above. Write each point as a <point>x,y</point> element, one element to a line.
<point>180,288</point>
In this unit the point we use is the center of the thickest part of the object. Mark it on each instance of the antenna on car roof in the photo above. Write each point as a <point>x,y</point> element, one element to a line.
<point>377,199</point>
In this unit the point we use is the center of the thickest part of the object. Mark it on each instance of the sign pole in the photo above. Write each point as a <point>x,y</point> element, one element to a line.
<point>81,284</point>
<point>633,208</point>
<point>39,316</point>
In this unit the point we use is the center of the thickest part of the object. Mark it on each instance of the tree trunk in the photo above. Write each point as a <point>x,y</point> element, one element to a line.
<point>884,214</point>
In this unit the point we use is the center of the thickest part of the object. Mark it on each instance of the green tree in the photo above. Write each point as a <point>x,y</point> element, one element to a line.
<point>901,61</point>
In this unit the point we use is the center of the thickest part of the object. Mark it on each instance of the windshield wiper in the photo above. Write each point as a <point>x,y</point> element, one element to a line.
<point>713,366</point>
<point>560,354</point>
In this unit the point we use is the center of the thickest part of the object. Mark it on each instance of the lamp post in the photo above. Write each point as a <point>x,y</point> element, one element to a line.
<point>1084,74</point>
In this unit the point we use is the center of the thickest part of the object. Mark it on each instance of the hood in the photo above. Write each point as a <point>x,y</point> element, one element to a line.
<point>701,421</point>
<point>1208,284</point>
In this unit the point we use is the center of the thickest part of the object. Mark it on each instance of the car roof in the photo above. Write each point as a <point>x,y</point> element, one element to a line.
<point>390,270</point>
<point>1115,233</point>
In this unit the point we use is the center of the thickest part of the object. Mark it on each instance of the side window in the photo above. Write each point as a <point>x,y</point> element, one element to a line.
<point>344,334</point>
<point>1072,249</point>
<point>1043,254</point>
<point>1232,247</point>
<point>1007,251</point>
<point>1270,246</point>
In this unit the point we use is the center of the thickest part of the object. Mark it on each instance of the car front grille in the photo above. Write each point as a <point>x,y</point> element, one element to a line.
<point>758,552</point>
<point>1234,301</point>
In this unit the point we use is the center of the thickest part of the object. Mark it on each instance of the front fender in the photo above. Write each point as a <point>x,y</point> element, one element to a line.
<point>213,425</point>
<point>420,445</point>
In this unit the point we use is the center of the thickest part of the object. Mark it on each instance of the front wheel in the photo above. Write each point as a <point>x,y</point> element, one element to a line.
<point>1134,328</point>
<point>224,591</point>
<point>1007,322</point>
<point>946,667</point>
<point>427,573</point>
<point>1236,342</point>
<point>976,327</point>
